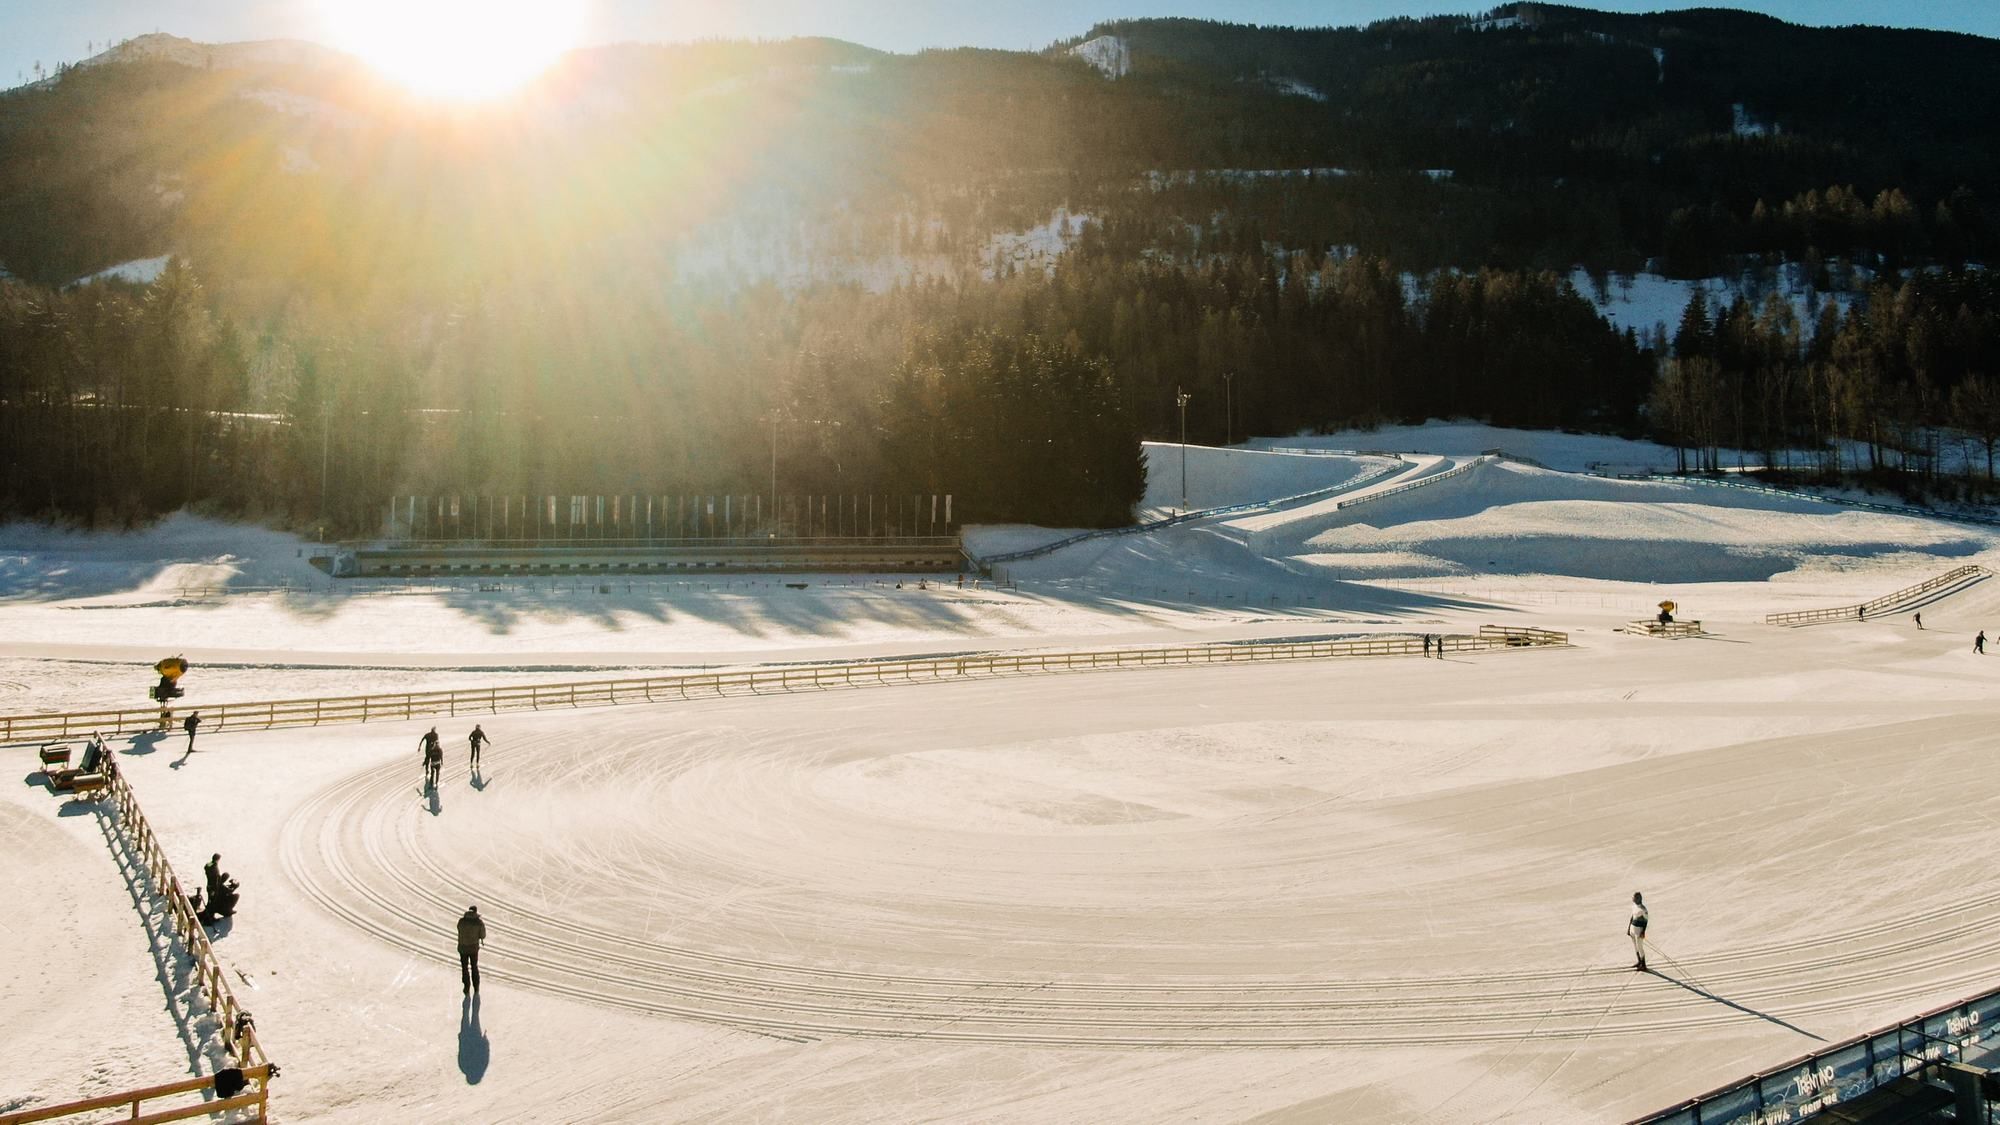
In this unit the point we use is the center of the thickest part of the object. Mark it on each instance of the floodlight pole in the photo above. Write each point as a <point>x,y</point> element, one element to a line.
<point>1182,397</point>
<point>1228,409</point>
<point>770,528</point>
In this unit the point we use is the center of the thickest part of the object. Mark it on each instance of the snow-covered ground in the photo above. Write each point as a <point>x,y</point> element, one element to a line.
<point>1367,890</point>
<point>1645,301</point>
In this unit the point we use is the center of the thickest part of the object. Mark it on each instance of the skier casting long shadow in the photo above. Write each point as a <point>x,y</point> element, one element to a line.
<point>1707,995</point>
<point>474,1051</point>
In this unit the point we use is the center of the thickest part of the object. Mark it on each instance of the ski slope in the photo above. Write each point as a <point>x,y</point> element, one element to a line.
<point>1371,890</point>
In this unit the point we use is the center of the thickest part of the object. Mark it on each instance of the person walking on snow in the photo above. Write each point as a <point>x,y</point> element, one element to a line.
<point>1979,643</point>
<point>477,738</point>
<point>433,755</point>
<point>1920,620</point>
<point>471,934</point>
<point>1636,930</point>
<point>189,725</point>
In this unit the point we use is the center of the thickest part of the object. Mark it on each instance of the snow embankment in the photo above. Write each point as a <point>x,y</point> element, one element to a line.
<point>1224,477</point>
<point>1505,518</point>
<point>40,563</point>
<point>1569,452</point>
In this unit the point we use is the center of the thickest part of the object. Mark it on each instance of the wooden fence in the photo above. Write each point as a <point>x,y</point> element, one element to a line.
<point>236,1031</point>
<point>16,729</point>
<point>1651,627</point>
<point>1883,604</point>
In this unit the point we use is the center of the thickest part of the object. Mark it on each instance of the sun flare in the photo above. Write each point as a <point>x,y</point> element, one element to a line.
<point>458,49</point>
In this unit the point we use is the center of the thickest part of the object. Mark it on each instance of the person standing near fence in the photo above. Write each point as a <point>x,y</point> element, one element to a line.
<point>471,935</point>
<point>1636,930</point>
<point>477,739</point>
<point>190,724</point>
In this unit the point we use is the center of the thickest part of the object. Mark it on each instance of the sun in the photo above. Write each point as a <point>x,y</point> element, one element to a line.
<point>456,49</point>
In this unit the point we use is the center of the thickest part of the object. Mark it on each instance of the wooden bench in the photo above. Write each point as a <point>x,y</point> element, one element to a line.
<point>54,757</point>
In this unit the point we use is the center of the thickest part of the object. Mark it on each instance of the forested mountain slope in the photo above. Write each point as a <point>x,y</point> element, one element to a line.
<point>614,279</point>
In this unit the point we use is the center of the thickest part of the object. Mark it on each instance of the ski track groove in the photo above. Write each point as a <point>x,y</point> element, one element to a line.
<point>568,957</point>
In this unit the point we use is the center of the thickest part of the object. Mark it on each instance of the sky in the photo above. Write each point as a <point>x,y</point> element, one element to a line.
<point>56,31</point>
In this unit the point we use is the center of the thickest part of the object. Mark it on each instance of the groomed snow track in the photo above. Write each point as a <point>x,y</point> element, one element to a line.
<point>360,850</point>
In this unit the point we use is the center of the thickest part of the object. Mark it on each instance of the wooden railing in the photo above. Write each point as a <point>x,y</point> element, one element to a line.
<point>252,1098</point>
<point>658,689</point>
<point>238,1034</point>
<point>1653,628</point>
<point>1883,604</point>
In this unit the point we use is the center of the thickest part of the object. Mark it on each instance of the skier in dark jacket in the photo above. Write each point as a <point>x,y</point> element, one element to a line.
<point>189,724</point>
<point>471,933</point>
<point>1979,643</point>
<point>433,755</point>
<point>478,739</point>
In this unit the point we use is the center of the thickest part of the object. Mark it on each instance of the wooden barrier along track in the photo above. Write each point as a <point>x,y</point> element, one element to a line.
<point>237,1032</point>
<point>15,729</point>
<point>1963,576</point>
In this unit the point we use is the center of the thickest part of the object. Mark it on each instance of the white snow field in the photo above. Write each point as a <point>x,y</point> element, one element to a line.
<point>1361,890</point>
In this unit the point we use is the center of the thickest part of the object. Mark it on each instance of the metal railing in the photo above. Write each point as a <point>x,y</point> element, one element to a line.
<point>1886,603</point>
<point>15,729</point>
<point>237,1032</point>
<point>1842,1072</point>
<point>1420,482</point>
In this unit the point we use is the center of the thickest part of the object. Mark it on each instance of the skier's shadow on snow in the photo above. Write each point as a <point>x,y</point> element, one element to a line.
<point>479,780</point>
<point>437,804</point>
<point>474,1051</point>
<point>1707,995</point>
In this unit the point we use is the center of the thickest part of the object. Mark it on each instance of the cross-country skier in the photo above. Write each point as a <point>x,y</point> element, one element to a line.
<point>471,933</point>
<point>433,755</point>
<point>1979,643</point>
<point>1920,620</point>
<point>477,738</point>
<point>1636,930</point>
<point>189,724</point>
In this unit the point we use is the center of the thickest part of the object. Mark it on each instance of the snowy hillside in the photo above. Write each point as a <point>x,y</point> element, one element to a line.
<point>1108,53</point>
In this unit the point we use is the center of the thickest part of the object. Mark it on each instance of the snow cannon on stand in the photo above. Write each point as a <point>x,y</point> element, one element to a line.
<point>1667,613</point>
<point>169,688</point>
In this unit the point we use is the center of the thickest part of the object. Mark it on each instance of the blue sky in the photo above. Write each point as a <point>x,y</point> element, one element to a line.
<point>52,31</point>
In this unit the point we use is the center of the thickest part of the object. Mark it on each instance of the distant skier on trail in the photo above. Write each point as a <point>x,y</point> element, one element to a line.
<point>1636,930</point>
<point>433,756</point>
<point>477,738</point>
<point>189,725</point>
<point>1979,643</point>
<point>1920,620</point>
<point>471,934</point>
